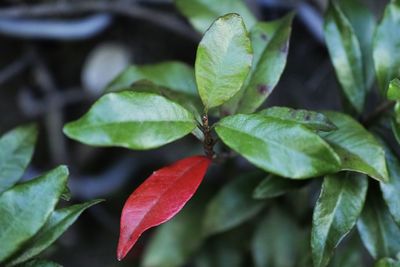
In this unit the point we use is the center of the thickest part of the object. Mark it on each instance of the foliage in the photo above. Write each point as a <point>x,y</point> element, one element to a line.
<point>29,220</point>
<point>239,62</point>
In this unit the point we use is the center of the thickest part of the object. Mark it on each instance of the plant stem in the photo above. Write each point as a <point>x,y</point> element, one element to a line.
<point>381,109</point>
<point>209,142</point>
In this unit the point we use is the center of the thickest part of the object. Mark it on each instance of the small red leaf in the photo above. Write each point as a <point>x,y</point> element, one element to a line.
<point>159,199</point>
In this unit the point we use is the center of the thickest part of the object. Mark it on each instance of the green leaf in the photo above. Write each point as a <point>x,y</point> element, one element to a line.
<point>274,186</point>
<point>233,205</point>
<point>386,45</point>
<point>25,208</point>
<point>222,64</point>
<point>387,262</point>
<point>270,42</point>
<point>336,212</point>
<point>40,263</point>
<point>174,75</point>
<point>280,147</point>
<point>395,125</point>
<point>16,149</point>
<point>276,241</point>
<point>191,102</point>
<point>390,189</point>
<point>175,241</point>
<point>348,254</point>
<point>311,119</point>
<point>132,120</point>
<point>393,92</point>
<point>378,231</point>
<point>364,23</point>
<point>201,13</point>
<point>56,225</point>
<point>346,56</point>
<point>358,148</point>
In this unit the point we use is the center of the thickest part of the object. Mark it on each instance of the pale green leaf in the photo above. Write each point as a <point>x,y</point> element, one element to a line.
<point>223,60</point>
<point>270,41</point>
<point>132,120</point>
<point>346,56</point>
<point>336,212</point>
<point>393,92</point>
<point>176,76</point>
<point>387,262</point>
<point>358,149</point>
<point>386,45</point>
<point>25,208</point>
<point>202,13</point>
<point>16,149</point>
<point>281,147</point>
<point>310,119</point>
<point>56,225</point>
<point>364,23</point>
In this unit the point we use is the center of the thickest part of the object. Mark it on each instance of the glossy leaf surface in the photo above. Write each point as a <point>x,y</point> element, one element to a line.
<point>233,205</point>
<point>386,46</point>
<point>390,189</point>
<point>26,207</point>
<point>364,23</point>
<point>336,212</point>
<point>393,92</point>
<point>270,41</point>
<point>202,13</point>
<point>281,147</point>
<point>274,186</point>
<point>346,56</point>
<point>16,149</point>
<point>174,75</point>
<point>223,60</point>
<point>310,119</point>
<point>56,225</point>
<point>132,120</point>
<point>387,262</point>
<point>378,231</point>
<point>358,148</point>
<point>159,198</point>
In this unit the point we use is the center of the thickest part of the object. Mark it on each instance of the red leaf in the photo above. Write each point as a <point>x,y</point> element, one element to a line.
<point>159,199</point>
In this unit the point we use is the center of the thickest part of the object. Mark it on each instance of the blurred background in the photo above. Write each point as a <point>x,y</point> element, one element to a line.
<point>58,55</point>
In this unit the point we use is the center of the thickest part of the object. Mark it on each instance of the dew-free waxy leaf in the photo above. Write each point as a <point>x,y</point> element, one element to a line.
<point>223,60</point>
<point>55,226</point>
<point>132,120</point>
<point>336,212</point>
<point>270,42</point>
<point>26,207</point>
<point>16,149</point>
<point>174,75</point>
<point>364,23</point>
<point>159,199</point>
<point>358,149</point>
<point>378,231</point>
<point>310,119</point>
<point>346,56</point>
<point>202,13</point>
<point>386,46</point>
<point>274,186</point>
<point>393,92</point>
<point>281,147</point>
<point>233,205</point>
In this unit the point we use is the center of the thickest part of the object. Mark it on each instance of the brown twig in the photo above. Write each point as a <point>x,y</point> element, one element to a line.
<point>116,7</point>
<point>375,114</point>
